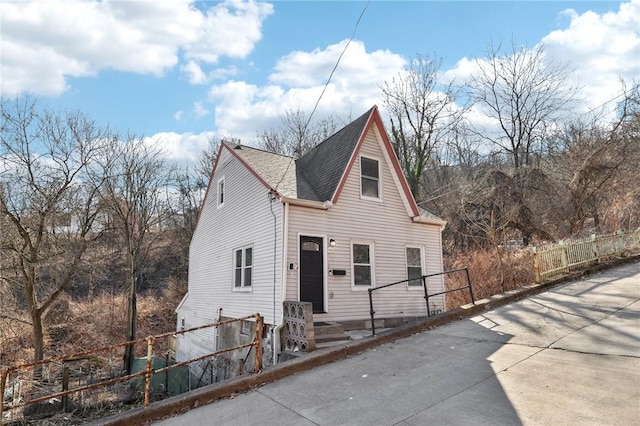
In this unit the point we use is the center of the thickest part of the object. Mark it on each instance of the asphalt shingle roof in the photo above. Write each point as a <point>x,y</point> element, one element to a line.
<point>324,165</point>
<point>314,176</point>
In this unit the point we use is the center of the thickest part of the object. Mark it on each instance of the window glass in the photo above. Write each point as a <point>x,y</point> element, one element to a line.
<point>247,277</point>
<point>310,246</point>
<point>370,179</point>
<point>221,192</point>
<point>369,167</point>
<point>362,275</point>
<point>243,265</point>
<point>360,253</point>
<point>414,266</point>
<point>248,256</point>
<point>362,265</point>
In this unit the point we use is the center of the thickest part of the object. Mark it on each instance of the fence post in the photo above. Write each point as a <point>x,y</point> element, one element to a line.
<point>65,387</point>
<point>466,270</point>
<point>621,244</point>
<point>371,312</point>
<point>563,256</point>
<point>3,383</point>
<point>536,265</point>
<point>147,376</point>
<point>258,343</point>
<point>426,295</point>
<point>594,246</point>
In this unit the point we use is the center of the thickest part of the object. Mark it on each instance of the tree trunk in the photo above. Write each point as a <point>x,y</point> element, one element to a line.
<point>38,340</point>
<point>132,314</point>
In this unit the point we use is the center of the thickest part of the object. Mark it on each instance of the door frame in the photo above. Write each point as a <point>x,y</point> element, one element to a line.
<point>325,271</point>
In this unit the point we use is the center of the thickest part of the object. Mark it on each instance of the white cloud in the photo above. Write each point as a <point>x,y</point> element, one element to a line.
<point>602,47</point>
<point>231,29</point>
<point>243,110</point>
<point>178,115</point>
<point>194,73</point>
<point>199,110</point>
<point>44,43</point>
<point>180,147</point>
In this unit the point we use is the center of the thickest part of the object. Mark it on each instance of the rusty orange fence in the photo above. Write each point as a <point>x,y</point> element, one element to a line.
<point>50,381</point>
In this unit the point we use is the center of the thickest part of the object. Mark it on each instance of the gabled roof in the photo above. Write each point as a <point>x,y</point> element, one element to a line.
<point>324,165</point>
<point>319,175</point>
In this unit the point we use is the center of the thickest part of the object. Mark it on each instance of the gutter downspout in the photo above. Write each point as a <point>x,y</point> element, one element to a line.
<point>275,340</point>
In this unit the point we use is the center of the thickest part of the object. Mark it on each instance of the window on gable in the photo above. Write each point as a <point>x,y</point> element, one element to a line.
<point>369,177</point>
<point>242,267</point>
<point>414,266</point>
<point>221,193</point>
<point>362,256</point>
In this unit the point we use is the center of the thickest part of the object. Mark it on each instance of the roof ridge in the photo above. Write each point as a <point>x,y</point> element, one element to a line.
<point>232,145</point>
<point>323,166</point>
<point>343,129</point>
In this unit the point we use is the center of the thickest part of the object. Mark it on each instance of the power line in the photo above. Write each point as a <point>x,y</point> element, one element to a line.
<point>324,89</point>
<point>355,28</point>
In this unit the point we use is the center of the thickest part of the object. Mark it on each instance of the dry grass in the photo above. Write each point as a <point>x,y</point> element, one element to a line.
<point>484,272</point>
<point>77,326</point>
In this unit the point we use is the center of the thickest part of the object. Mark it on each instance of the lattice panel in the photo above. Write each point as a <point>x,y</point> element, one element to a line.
<point>298,326</point>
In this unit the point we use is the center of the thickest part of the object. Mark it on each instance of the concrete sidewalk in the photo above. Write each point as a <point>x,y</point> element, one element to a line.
<point>570,355</point>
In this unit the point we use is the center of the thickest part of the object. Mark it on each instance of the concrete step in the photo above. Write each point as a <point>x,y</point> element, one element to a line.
<point>325,328</point>
<point>331,343</point>
<point>331,337</point>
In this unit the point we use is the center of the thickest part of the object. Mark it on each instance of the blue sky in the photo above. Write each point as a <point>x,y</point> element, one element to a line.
<point>182,71</point>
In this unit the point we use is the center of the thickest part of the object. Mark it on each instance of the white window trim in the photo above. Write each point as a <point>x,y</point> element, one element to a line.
<point>366,197</point>
<point>224,192</point>
<point>406,263</point>
<point>242,287</point>
<point>372,257</point>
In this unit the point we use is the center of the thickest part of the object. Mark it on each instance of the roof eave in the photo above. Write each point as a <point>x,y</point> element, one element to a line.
<point>430,221</point>
<point>322,205</point>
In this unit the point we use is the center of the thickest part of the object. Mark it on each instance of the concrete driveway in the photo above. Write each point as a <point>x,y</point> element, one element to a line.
<point>570,355</point>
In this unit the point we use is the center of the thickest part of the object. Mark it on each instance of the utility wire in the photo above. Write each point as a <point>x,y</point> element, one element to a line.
<point>324,89</point>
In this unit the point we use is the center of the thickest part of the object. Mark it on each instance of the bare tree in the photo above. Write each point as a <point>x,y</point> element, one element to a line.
<point>207,160</point>
<point>597,160</point>
<point>523,93</point>
<point>423,114</point>
<point>50,175</point>
<point>136,197</point>
<point>297,135</point>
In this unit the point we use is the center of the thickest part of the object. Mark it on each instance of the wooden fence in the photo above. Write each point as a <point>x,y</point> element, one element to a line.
<point>553,260</point>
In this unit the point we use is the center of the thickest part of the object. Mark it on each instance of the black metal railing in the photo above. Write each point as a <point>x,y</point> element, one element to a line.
<point>427,296</point>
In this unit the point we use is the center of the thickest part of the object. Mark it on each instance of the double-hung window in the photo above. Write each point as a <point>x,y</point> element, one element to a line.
<point>369,177</point>
<point>414,266</point>
<point>242,268</point>
<point>362,264</point>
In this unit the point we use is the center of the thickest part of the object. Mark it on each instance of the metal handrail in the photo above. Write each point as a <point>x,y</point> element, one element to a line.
<point>427,296</point>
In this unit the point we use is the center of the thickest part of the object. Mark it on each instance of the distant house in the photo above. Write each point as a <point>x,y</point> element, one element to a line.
<point>323,229</point>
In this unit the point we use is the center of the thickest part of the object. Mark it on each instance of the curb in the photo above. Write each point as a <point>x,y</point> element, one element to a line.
<point>207,394</point>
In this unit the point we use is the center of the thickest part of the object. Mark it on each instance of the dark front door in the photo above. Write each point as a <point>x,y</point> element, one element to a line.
<point>312,272</point>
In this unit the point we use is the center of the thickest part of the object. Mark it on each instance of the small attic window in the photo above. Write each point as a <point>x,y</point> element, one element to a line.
<point>369,177</point>
<point>221,193</point>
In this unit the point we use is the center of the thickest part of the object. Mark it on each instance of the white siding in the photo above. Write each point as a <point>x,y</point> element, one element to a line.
<point>388,226</point>
<point>245,219</point>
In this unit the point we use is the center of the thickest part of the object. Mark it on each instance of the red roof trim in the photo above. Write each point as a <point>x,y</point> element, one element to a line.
<point>206,194</point>
<point>253,172</point>
<point>244,163</point>
<point>376,119</point>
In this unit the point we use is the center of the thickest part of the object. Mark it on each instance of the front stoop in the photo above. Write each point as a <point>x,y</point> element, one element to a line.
<point>329,334</point>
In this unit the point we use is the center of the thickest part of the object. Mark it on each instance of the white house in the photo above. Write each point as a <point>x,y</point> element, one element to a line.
<point>322,229</point>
